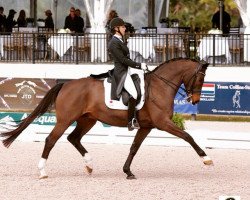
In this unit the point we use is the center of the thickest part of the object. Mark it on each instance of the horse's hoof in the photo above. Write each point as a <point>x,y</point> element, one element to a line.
<point>88,170</point>
<point>131,177</point>
<point>207,160</point>
<point>43,177</point>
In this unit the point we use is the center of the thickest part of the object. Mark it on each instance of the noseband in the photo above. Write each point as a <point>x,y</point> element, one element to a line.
<point>190,91</point>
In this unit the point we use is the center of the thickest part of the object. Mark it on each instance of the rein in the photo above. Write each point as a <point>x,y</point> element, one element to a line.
<point>190,91</point>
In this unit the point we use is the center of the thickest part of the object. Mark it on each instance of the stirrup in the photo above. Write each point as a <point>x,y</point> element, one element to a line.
<point>133,124</point>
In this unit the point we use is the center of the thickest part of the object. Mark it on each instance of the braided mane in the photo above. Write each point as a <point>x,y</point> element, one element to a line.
<point>176,59</point>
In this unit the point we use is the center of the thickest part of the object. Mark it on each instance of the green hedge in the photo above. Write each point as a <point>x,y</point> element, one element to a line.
<point>179,121</point>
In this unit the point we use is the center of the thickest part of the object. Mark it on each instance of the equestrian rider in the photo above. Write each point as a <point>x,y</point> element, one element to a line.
<point>121,79</point>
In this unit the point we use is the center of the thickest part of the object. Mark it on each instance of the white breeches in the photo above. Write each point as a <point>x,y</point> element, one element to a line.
<point>130,86</point>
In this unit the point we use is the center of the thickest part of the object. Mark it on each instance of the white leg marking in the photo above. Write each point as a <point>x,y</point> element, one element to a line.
<point>41,167</point>
<point>88,163</point>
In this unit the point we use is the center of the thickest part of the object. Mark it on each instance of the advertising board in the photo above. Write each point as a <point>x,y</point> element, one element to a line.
<point>20,93</point>
<point>225,98</point>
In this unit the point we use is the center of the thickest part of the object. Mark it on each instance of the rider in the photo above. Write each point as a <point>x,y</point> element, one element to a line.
<point>121,79</point>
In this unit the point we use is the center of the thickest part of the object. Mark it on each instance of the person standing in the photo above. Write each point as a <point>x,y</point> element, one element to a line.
<point>71,21</point>
<point>10,22</point>
<point>120,78</point>
<point>21,20</point>
<point>2,20</point>
<point>112,14</point>
<point>49,23</point>
<point>226,20</point>
<point>80,22</point>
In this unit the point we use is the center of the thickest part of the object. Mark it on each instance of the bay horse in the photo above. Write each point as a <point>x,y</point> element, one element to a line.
<point>82,101</point>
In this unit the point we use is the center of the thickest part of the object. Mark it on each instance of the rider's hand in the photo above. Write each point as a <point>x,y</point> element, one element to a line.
<point>144,67</point>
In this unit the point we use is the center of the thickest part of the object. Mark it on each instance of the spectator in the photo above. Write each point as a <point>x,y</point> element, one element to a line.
<point>2,20</point>
<point>80,23</point>
<point>71,21</point>
<point>49,23</point>
<point>10,22</point>
<point>226,21</point>
<point>21,20</point>
<point>240,22</point>
<point>112,14</point>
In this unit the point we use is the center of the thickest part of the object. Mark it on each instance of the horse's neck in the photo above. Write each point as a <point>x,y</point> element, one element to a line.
<point>172,77</point>
<point>163,86</point>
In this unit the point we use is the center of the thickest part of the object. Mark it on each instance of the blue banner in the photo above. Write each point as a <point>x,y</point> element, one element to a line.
<point>181,105</point>
<point>225,98</point>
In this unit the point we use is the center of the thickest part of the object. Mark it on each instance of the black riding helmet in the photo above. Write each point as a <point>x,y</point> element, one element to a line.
<point>116,22</point>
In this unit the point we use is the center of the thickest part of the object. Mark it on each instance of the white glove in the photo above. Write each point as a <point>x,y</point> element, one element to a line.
<point>144,66</point>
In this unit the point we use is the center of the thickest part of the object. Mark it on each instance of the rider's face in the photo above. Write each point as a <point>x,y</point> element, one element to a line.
<point>122,30</point>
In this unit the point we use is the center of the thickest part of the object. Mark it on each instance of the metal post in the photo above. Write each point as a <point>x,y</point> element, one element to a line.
<point>55,13</point>
<point>221,4</point>
<point>151,12</point>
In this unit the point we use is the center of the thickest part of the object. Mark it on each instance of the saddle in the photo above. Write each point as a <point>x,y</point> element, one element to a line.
<point>138,79</point>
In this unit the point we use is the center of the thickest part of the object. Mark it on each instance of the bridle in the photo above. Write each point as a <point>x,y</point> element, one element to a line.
<point>189,91</point>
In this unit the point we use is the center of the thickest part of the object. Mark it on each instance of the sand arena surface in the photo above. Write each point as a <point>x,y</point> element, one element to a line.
<point>174,173</point>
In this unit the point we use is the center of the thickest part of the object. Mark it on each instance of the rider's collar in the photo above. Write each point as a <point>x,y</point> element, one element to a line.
<point>119,37</point>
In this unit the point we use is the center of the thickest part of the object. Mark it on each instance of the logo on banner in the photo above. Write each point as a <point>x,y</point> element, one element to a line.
<point>236,99</point>
<point>26,92</point>
<point>208,92</point>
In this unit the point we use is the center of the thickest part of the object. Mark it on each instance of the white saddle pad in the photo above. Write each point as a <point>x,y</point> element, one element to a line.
<point>113,104</point>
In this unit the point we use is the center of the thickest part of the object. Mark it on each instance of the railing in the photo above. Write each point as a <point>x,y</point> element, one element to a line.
<point>49,47</point>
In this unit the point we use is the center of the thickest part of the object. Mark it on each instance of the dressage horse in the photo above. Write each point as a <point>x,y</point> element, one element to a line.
<point>82,101</point>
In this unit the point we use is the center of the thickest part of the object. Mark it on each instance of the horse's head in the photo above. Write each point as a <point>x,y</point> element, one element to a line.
<point>193,83</point>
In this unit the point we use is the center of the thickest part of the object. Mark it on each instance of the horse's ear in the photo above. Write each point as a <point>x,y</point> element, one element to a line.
<point>204,63</point>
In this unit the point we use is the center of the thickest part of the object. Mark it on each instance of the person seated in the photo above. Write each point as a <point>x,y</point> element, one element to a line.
<point>2,20</point>
<point>21,20</point>
<point>71,21</point>
<point>80,23</point>
<point>49,23</point>
<point>226,21</point>
<point>10,22</point>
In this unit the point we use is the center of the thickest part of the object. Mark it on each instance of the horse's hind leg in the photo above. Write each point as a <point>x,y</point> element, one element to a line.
<point>139,137</point>
<point>170,127</point>
<point>82,127</point>
<point>49,144</point>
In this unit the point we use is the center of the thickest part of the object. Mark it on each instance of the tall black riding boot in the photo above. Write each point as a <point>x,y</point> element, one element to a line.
<point>132,121</point>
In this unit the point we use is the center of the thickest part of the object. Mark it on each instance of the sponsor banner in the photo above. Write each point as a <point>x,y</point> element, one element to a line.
<point>229,98</point>
<point>13,118</point>
<point>19,93</point>
<point>181,105</point>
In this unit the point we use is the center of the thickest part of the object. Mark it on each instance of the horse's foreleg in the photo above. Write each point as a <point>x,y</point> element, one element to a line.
<point>139,137</point>
<point>49,144</point>
<point>82,127</point>
<point>171,128</point>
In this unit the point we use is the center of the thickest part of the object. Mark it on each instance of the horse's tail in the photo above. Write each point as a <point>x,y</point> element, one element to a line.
<point>43,106</point>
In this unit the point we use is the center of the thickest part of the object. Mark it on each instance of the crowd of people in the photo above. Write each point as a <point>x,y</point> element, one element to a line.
<point>73,21</point>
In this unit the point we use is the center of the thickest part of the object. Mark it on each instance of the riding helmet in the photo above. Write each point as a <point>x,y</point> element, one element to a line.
<point>116,22</point>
